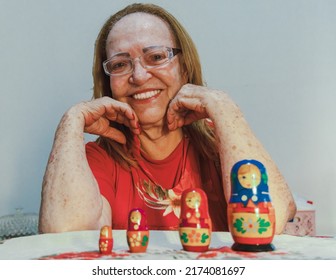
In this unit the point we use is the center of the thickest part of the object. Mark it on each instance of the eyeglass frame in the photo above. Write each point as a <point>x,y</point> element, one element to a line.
<point>172,52</point>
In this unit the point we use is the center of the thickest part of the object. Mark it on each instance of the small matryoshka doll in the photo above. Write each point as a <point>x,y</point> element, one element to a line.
<point>195,222</point>
<point>105,240</point>
<point>251,216</point>
<point>137,232</point>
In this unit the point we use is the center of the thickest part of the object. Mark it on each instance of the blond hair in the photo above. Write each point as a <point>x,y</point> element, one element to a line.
<point>199,131</point>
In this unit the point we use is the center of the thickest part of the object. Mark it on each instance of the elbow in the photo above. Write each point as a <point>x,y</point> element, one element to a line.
<point>284,215</point>
<point>291,210</point>
<point>63,227</point>
<point>59,224</point>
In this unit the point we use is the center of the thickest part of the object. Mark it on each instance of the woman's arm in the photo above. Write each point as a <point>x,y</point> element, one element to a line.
<point>71,199</point>
<point>236,141</point>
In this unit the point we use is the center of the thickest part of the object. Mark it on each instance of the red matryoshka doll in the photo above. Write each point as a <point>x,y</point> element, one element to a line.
<point>251,216</point>
<point>105,240</point>
<point>137,232</point>
<point>195,222</point>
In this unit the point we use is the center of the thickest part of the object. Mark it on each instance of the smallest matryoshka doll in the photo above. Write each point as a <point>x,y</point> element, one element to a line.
<point>137,231</point>
<point>105,240</point>
<point>195,222</point>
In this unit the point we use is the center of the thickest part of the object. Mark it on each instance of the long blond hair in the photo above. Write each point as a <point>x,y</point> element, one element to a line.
<point>199,131</point>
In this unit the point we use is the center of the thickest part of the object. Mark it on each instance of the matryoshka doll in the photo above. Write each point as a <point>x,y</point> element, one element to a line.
<point>251,216</point>
<point>195,222</point>
<point>105,240</point>
<point>137,232</point>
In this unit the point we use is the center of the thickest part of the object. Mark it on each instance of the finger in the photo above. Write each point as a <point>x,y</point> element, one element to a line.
<point>181,104</point>
<point>115,135</point>
<point>183,111</point>
<point>102,128</point>
<point>131,122</point>
<point>171,118</point>
<point>175,121</point>
<point>181,107</point>
<point>178,121</point>
<point>172,123</point>
<point>122,113</point>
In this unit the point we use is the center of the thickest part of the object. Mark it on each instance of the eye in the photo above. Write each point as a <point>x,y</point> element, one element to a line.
<point>118,66</point>
<point>156,57</point>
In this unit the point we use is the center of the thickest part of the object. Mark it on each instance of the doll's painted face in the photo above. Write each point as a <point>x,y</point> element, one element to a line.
<point>249,176</point>
<point>135,217</point>
<point>193,200</point>
<point>106,232</point>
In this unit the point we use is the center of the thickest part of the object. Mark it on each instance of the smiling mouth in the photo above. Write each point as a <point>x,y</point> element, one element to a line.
<point>146,95</point>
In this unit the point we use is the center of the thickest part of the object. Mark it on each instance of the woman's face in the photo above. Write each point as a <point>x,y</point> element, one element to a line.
<point>147,91</point>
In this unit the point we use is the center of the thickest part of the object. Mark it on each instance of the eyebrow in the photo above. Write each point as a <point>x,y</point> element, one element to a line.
<point>150,48</point>
<point>120,54</point>
<point>144,50</point>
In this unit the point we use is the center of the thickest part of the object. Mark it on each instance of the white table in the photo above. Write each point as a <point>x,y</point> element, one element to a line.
<point>162,245</point>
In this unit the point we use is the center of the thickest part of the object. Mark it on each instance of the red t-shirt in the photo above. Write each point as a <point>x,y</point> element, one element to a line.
<point>156,185</point>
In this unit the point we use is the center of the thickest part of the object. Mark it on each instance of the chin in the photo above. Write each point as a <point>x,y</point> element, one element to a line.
<point>148,121</point>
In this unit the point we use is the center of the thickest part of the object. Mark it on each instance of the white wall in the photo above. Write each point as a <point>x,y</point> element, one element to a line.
<point>276,58</point>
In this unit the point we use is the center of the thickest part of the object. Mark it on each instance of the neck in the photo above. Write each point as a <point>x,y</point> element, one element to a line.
<point>158,144</point>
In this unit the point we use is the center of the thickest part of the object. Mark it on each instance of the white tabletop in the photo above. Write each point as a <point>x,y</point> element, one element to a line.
<point>162,245</point>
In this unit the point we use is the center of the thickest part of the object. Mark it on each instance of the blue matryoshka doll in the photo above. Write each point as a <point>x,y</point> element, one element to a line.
<point>251,215</point>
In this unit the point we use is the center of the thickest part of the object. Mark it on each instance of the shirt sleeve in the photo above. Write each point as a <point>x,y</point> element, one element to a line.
<point>103,169</point>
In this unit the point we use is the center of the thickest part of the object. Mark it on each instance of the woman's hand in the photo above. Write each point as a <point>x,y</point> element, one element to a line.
<point>190,104</point>
<point>99,112</point>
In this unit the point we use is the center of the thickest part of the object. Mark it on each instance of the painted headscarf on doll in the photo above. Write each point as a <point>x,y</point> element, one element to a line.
<point>194,200</point>
<point>137,220</point>
<point>249,182</point>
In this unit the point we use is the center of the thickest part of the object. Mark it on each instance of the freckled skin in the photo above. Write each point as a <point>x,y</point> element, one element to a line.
<point>236,141</point>
<point>70,195</point>
<point>63,170</point>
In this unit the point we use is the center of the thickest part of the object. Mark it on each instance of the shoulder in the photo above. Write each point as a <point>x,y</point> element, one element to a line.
<point>96,155</point>
<point>92,148</point>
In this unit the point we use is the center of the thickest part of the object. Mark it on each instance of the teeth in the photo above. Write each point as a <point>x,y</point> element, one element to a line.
<point>146,95</point>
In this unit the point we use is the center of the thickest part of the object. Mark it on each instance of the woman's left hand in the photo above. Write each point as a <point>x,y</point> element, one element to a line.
<point>190,104</point>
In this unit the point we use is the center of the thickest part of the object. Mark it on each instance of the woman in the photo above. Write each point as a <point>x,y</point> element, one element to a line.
<point>160,131</point>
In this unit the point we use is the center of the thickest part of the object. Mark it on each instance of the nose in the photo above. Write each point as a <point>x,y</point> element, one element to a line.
<point>140,74</point>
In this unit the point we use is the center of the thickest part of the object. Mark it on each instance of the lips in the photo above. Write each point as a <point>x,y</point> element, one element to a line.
<point>145,95</point>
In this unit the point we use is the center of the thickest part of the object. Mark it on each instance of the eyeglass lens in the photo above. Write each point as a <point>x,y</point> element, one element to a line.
<point>153,57</point>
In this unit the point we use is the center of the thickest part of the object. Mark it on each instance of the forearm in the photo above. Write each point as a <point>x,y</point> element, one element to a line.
<point>70,195</point>
<point>237,142</point>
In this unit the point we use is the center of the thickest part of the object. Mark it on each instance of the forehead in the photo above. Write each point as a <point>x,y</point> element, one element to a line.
<point>139,30</point>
